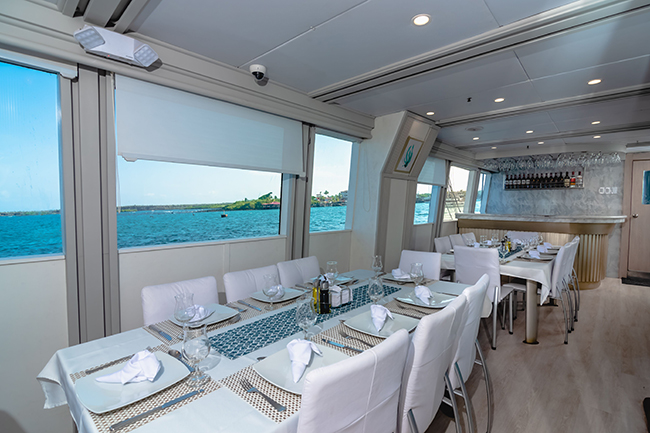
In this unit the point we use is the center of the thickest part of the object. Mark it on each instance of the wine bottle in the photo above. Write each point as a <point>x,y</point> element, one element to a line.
<point>567,180</point>
<point>579,180</point>
<point>572,183</point>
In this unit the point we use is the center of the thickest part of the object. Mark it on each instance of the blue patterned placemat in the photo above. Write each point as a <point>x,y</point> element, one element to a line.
<point>248,338</point>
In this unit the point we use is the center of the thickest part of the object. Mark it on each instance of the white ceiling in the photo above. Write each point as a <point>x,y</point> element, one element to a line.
<point>366,55</point>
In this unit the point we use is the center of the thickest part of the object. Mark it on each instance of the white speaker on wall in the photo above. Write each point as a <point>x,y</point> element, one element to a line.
<point>111,45</point>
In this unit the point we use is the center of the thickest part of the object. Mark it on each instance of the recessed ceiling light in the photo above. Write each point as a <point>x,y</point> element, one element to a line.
<point>475,138</point>
<point>592,82</point>
<point>421,19</point>
<point>430,113</point>
<point>494,147</point>
<point>595,122</point>
<point>529,132</point>
<point>540,142</point>
<point>596,136</point>
<point>499,99</point>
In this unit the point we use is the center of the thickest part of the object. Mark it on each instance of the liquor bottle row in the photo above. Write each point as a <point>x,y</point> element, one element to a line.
<point>543,180</point>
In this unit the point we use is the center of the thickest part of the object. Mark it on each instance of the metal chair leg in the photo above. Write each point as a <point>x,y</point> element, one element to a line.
<point>570,302</point>
<point>454,403</point>
<point>510,315</point>
<point>495,309</point>
<point>412,423</point>
<point>566,325</point>
<point>468,402</point>
<point>488,386</point>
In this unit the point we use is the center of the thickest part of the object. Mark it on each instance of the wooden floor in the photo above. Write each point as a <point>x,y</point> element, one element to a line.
<point>594,384</point>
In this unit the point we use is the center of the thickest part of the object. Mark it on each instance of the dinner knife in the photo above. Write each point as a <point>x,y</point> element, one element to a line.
<point>136,418</point>
<point>343,346</point>
<point>249,305</point>
<point>162,333</point>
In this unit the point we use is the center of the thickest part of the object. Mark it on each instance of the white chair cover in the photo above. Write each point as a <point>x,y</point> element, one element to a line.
<point>430,353</point>
<point>466,352</point>
<point>443,244</point>
<point>158,301</point>
<point>430,262</point>
<point>242,284</point>
<point>469,237</point>
<point>457,239</point>
<point>472,263</point>
<point>359,394</point>
<point>523,236</point>
<point>298,271</point>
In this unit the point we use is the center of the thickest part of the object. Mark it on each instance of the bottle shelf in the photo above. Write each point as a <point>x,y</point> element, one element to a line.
<point>543,189</point>
<point>541,181</point>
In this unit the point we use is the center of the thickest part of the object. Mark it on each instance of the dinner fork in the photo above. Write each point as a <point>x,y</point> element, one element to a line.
<point>347,336</point>
<point>248,387</point>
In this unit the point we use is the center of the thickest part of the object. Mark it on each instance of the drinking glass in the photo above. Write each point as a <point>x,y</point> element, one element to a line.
<point>305,314</point>
<point>196,347</point>
<point>375,289</point>
<point>377,266</point>
<point>483,240</point>
<point>332,272</point>
<point>270,289</point>
<point>416,273</point>
<point>184,309</point>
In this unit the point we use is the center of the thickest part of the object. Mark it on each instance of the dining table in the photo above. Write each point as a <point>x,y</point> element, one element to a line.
<point>238,346</point>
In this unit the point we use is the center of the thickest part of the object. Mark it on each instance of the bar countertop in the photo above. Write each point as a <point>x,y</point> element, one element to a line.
<point>571,219</point>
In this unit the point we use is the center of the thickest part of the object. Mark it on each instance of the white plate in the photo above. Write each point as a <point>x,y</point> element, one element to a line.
<point>100,397</point>
<point>542,258</point>
<point>437,300</point>
<point>341,279</point>
<point>277,367</point>
<point>221,313</point>
<point>363,323</point>
<point>398,280</point>
<point>288,294</point>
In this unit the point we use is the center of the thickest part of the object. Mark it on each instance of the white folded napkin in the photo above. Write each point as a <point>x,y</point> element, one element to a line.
<point>142,366</point>
<point>534,254</point>
<point>201,312</point>
<point>477,245</point>
<point>400,274</point>
<point>488,242</point>
<point>516,241</point>
<point>379,315</point>
<point>548,245</point>
<point>542,249</point>
<point>423,293</point>
<point>300,355</point>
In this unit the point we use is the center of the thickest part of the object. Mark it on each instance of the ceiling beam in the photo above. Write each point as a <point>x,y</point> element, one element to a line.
<point>132,11</point>
<point>100,12</point>
<point>69,7</point>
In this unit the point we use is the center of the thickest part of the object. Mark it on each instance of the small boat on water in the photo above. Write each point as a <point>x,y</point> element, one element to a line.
<point>224,215</point>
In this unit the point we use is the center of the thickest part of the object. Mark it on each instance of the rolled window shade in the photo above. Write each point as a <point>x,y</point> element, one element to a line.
<point>433,172</point>
<point>159,123</point>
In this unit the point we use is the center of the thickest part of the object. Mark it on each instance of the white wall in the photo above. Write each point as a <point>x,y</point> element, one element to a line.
<point>140,267</point>
<point>421,236</point>
<point>332,246</point>
<point>396,222</point>
<point>34,324</point>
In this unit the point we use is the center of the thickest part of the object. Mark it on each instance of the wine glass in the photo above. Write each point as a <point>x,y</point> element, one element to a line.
<point>377,266</point>
<point>416,273</point>
<point>305,314</point>
<point>375,289</point>
<point>184,309</point>
<point>495,239</point>
<point>270,289</point>
<point>196,347</point>
<point>332,272</point>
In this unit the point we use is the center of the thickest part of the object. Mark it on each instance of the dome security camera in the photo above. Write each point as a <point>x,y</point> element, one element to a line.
<point>258,71</point>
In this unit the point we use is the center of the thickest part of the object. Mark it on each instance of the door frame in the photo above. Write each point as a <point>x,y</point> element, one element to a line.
<point>627,210</point>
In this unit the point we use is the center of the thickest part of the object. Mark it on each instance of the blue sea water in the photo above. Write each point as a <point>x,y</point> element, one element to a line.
<point>27,235</point>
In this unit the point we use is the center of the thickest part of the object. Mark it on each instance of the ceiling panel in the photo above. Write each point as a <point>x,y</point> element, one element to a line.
<point>460,81</point>
<point>235,32</point>
<point>616,138</point>
<point>373,35</point>
<point>607,42</point>
<point>609,113</point>
<point>509,11</point>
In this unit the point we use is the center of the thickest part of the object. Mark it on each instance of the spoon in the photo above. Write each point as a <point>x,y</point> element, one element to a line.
<point>176,354</point>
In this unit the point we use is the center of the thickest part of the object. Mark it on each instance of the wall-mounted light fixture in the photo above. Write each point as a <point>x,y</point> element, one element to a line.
<point>111,45</point>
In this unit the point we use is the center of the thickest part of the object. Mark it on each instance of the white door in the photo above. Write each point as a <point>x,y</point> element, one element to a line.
<point>639,250</point>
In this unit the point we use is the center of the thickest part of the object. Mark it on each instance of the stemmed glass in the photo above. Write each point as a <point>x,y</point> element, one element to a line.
<point>270,289</point>
<point>305,314</point>
<point>184,309</point>
<point>416,273</point>
<point>375,289</point>
<point>332,272</point>
<point>196,347</point>
<point>377,266</point>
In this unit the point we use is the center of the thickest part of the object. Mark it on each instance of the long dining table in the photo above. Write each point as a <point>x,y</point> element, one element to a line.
<point>223,406</point>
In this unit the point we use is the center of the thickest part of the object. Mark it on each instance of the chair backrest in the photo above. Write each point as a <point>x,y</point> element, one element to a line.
<point>561,269</point>
<point>443,244</point>
<point>359,394</point>
<point>466,352</point>
<point>158,301</point>
<point>430,353</point>
<point>298,271</point>
<point>430,262</point>
<point>242,284</point>
<point>522,236</point>
<point>469,237</point>
<point>457,239</point>
<point>472,263</point>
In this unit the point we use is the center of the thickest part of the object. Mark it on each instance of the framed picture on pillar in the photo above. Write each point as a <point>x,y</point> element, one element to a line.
<point>409,155</point>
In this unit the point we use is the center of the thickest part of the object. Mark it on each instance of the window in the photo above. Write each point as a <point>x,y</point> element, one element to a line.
<point>331,177</point>
<point>165,203</point>
<point>426,204</point>
<point>482,192</point>
<point>456,191</point>
<point>30,200</point>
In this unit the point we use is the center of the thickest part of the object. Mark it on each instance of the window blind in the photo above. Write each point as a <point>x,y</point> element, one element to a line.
<point>159,123</point>
<point>433,172</point>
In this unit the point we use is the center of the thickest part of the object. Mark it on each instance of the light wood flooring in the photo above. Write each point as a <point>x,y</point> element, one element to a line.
<point>594,384</point>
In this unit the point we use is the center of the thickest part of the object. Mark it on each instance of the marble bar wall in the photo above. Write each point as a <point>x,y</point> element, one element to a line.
<point>586,201</point>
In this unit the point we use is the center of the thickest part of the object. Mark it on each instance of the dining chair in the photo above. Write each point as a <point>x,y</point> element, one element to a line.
<point>469,237</point>
<point>242,284</point>
<point>468,346</point>
<point>298,271</point>
<point>442,244</point>
<point>573,279</point>
<point>158,301</point>
<point>457,239</point>
<point>559,277</point>
<point>425,376</point>
<point>430,262</point>
<point>359,394</point>
<point>471,264</point>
